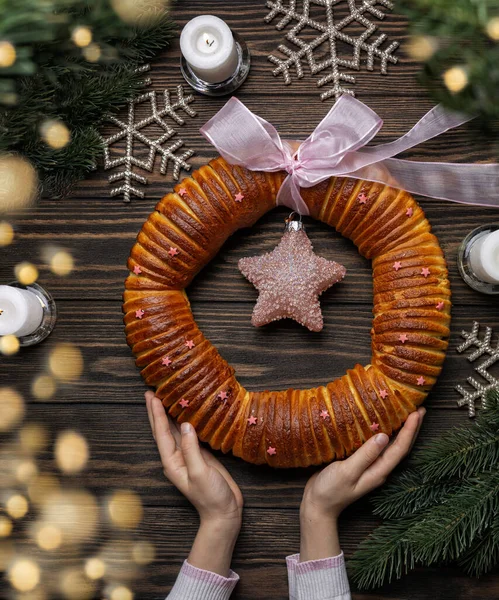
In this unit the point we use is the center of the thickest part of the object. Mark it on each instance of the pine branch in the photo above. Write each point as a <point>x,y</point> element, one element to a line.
<point>483,555</point>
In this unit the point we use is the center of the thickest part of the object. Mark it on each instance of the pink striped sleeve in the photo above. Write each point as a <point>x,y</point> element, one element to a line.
<point>324,579</point>
<point>195,584</point>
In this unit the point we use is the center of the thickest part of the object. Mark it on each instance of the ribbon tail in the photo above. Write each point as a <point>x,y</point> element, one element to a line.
<point>463,183</point>
<point>289,195</point>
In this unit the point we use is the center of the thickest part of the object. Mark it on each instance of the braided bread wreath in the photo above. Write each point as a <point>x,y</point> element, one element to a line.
<point>411,317</point>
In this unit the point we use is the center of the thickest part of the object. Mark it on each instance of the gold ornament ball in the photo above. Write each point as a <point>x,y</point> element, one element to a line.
<point>493,29</point>
<point>82,36</point>
<point>7,54</point>
<point>24,575</point>
<point>26,273</point>
<point>11,407</point>
<point>71,452</point>
<point>55,134</point>
<point>6,233</point>
<point>18,183</point>
<point>455,79</point>
<point>421,47</point>
<point>5,526</point>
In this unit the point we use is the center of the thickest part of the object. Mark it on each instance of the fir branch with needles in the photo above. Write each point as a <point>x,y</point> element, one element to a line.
<point>443,509</point>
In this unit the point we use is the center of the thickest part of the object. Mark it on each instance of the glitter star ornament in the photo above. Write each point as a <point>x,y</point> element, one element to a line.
<point>290,280</point>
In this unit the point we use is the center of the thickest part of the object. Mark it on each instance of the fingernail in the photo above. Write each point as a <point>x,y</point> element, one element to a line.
<point>185,428</point>
<point>381,439</point>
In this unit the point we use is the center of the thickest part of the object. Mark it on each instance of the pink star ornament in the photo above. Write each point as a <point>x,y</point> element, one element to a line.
<point>290,280</point>
<point>252,420</point>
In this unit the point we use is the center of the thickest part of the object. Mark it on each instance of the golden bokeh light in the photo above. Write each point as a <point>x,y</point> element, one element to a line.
<point>55,134</point>
<point>61,263</point>
<point>26,273</point>
<point>82,36</point>
<point>26,471</point>
<point>20,185</point>
<point>5,526</point>
<point>74,512</point>
<point>33,437</point>
<point>7,54</point>
<point>43,387</point>
<point>121,592</point>
<point>493,29</point>
<point>66,362</point>
<point>125,509</point>
<point>11,407</point>
<point>143,553</point>
<point>6,233</point>
<point>95,568</point>
<point>92,53</point>
<point>75,586</point>
<point>71,452</point>
<point>140,12</point>
<point>24,575</point>
<point>421,47</point>
<point>16,506</point>
<point>9,345</point>
<point>43,487</point>
<point>455,79</point>
<point>48,537</point>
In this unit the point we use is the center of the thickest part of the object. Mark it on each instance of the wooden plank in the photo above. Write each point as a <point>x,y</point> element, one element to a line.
<point>278,356</point>
<point>100,235</point>
<point>123,453</point>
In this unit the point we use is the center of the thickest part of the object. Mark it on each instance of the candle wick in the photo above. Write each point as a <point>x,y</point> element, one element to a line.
<point>210,43</point>
<point>1,312</point>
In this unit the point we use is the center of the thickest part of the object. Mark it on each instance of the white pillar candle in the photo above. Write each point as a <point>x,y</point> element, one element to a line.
<point>208,46</point>
<point>21,311</point>
<point>484,257</point>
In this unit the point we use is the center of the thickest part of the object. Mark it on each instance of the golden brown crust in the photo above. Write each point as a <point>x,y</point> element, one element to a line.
<point>409,332</point>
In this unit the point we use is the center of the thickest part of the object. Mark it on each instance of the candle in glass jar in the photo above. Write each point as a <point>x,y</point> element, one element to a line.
<point>21,311</point>
<point>208,46</point>
<point>484,257</point>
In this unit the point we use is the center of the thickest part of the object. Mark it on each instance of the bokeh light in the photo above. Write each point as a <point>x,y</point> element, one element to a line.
<point>125,509</point>
<point>5,526</point>
<point>55,134</point>
<point>92,53</point>
<point>143,553</point>
<point>26,273</point>
<point>95,568</point>
<point>493,29</point>
<point>11,407</point>
<point>421,47</point>
<point>75,586</point>
<point>74,512</point>
<point>7,54</point>
<point>33,437</point>
<point>66,362</point>
<point>9,345</point>
<point>455,79</point>
<point>24,574</point>
<point>43,387</point>
<point>19,183</point>
<point>82,36</point>
<point>43,487</point>
<point>48,537</point>
<point>139,12</point>
<point>16,506</point>
<point>26,471</point>
<point>61,263</point>
<point>71,452</point>
<point>6,233</point>
<point>120,592</point>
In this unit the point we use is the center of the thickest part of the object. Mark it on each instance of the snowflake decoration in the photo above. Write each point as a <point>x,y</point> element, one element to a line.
<point>331,32</point>
<point>483,347</point>
<point>130,130</point>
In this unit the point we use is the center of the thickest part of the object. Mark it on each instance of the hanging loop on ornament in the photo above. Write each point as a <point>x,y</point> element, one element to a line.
<point>292,224</point>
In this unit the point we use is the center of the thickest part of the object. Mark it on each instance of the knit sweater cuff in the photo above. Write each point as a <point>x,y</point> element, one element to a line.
<point>196,584</point>
<point>324,579</point>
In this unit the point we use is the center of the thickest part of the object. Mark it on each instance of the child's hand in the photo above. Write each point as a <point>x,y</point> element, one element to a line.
<point>193,470</point>
<point>331,490</point>
<point>343,482</point>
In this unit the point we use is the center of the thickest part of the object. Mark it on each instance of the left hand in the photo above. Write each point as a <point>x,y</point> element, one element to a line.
<point>194,471</point>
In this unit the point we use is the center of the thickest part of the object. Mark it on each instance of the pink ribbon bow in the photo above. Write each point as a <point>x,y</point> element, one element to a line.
<point>337,148</point>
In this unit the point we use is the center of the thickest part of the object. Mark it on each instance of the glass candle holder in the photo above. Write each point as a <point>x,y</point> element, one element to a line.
<point>470,260</point>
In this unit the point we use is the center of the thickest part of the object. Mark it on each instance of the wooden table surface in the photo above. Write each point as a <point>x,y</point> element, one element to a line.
<point>107,404</point>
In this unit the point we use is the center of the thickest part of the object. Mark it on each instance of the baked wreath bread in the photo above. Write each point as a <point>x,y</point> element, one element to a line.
<point>292,428</point>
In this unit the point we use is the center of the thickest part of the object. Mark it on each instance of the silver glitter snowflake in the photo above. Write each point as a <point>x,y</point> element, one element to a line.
<point>131,131</point>
<point>332,32</point>
<point>483,348</point>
